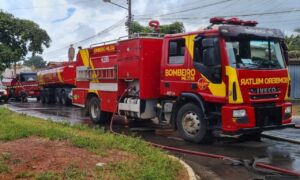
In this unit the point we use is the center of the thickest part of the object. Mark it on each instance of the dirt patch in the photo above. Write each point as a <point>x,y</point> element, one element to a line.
<point>31,156</point>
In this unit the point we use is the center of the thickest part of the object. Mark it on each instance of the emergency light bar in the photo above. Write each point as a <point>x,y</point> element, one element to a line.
<point>233,21</point>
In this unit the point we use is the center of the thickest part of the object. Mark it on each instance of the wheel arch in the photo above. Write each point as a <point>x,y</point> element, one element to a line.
<point>90,95</point>
<point>183,99</point>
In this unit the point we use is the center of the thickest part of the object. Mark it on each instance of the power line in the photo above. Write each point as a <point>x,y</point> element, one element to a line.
<point>191,9</point>
<point>108,29</point>
<point>233,15</point>
<point>193,3</point>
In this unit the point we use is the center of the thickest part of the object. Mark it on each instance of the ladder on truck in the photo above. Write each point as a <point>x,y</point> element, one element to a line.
<point>88,74</point>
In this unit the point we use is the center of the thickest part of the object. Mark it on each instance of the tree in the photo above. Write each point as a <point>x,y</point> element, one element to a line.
<point>176,27</point>
<point>293,43</point>
<point>18,37</point>
<point>36,61</point>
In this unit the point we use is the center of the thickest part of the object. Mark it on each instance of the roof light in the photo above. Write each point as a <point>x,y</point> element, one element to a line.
<point>217,20</point>
<point>250,23</point>
<point>232,21</point>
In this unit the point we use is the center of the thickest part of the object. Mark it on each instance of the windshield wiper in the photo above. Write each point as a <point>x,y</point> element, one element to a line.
<point>250,65</point>
<point>270,64</point>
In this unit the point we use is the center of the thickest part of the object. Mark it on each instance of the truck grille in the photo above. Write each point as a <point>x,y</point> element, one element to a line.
<point>264,93</point>
<point>268,116</point>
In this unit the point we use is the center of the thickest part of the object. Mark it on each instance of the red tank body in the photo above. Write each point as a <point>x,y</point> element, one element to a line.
<point>58,76</point>
<point>57,82</point>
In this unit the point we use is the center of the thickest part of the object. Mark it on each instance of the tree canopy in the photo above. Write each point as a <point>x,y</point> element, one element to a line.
<point>293,43</point>
<point>18,37</point>
<point>176,27</point>
<point>36,61</point>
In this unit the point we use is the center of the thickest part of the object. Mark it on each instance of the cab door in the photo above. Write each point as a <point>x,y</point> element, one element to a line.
<point>176,74</point>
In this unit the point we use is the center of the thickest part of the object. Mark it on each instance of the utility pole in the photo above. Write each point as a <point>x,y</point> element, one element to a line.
<point>129,18</point>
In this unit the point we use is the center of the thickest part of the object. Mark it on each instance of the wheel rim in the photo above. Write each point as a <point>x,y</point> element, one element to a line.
<point>191,123</point>
<point>63,100</point>
<point>57,99</point>
<point>95,111</point>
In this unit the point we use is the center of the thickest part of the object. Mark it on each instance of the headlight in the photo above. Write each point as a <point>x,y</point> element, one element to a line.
<point>239,113</point>
<point>71,95</point>
<point>288,110</point>
<point>5,92</point>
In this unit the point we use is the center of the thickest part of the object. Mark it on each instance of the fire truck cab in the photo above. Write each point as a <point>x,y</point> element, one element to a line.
<point>230,78</point>
<point>22,86</point>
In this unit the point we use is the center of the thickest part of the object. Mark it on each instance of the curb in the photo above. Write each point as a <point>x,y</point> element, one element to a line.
<point>191,173</point>
<point>280,138</point>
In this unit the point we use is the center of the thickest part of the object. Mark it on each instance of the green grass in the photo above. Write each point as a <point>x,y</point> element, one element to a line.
<point>150,163</point>
<point>4,158</point>
<point>72,172</point>
<point>24,175</point>
<point>48,176</point>
<point>4,168</point>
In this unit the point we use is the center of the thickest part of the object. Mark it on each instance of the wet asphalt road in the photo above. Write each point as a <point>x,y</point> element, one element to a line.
<point>278,153</point>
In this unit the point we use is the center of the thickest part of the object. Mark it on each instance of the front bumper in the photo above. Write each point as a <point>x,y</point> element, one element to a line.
<point>260,129</point>
<point>262,118</point>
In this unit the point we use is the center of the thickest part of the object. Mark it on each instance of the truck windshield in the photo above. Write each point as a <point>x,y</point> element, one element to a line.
<point>254,54</point>
<point>27,77</point>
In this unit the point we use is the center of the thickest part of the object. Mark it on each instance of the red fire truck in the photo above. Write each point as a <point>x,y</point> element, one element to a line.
<point>22,86</point>
<point>229,78</point>
<point>57,82</point>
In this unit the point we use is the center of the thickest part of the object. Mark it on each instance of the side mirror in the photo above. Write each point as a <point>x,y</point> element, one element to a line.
<point>285,52</point>
<point>209,58</point>
<point>211,52</point>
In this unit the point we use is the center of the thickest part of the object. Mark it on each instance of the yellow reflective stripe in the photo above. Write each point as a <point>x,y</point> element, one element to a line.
<point>84,53</point>
<point>287,89</point>
<point>232,77</point>
<point>86,60</point>
<point>216,89</point>
<point>189,44</point>
<point>59,76</point>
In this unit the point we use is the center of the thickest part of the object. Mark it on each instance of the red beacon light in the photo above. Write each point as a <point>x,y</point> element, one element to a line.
<point>217,20</point>
<point>232,21</point>
<point>250,23</point>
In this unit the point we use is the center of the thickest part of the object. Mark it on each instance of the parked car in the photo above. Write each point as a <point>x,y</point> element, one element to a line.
<point>3,93</point>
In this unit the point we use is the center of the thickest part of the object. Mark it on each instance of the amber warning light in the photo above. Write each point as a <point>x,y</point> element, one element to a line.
<point>232,21</point>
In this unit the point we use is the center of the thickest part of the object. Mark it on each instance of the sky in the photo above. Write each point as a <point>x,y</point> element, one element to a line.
<point>87,22</point>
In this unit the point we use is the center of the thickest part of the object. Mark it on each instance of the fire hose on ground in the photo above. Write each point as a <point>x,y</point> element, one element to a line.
<point>247,163</point>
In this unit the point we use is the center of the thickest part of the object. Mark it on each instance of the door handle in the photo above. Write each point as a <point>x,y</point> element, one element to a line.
<point>167,84</point>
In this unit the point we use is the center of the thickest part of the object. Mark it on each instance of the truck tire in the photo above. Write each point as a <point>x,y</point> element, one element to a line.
<point>191,124</point>
<point>47,99</point>
<point>64,98</point>
<point>42,98</point>
<point>23,97</point>
<point>58,99</point>
<point>94,110</point>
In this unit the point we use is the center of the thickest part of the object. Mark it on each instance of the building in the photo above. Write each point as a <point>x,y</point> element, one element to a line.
<point>294,69</point>
<point>9,72</point>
